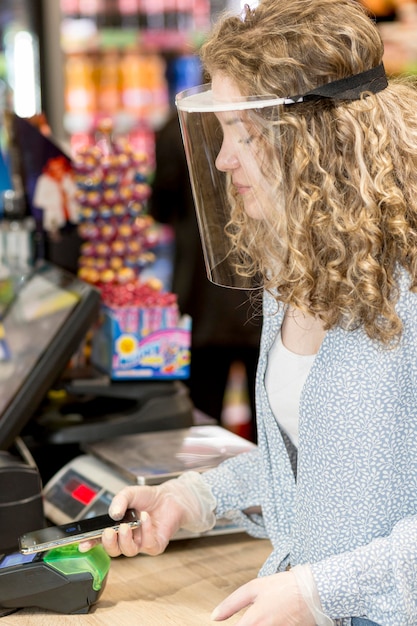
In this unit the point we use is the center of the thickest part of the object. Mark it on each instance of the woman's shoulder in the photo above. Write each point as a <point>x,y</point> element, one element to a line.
<point>407,296</point>
<point>271,304</point>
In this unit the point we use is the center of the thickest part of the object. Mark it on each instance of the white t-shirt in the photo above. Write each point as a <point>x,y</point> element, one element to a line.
<point>285,376</point>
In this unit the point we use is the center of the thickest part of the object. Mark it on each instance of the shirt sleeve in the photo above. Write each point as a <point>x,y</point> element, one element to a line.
<point>235,485</point>
<point>377,580</point>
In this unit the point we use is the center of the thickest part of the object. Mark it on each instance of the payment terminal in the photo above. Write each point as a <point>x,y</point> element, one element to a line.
<point>63,580</point>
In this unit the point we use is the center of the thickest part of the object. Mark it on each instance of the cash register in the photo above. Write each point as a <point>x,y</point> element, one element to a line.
<point>43,319</point>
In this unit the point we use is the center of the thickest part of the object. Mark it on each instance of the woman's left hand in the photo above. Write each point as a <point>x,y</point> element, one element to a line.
<point>272,600</point>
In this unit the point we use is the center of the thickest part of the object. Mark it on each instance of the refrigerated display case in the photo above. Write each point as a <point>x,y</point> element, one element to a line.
<point>80,60</point>
<point>122,59</point>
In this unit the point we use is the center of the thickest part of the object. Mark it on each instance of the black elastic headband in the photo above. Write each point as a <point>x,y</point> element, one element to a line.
<point>350,88</point>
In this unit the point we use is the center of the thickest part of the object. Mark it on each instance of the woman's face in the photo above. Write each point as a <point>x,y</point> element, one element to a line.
<point>242,154</point>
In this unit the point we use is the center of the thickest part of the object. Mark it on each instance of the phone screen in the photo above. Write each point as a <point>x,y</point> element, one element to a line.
<point>16,558</point>
<point>74,532</point>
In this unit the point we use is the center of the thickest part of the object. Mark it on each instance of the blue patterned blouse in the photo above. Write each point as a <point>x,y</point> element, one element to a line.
<point>352,511</point>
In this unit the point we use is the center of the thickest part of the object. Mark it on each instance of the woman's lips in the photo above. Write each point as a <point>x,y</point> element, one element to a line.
<point>242,189</point>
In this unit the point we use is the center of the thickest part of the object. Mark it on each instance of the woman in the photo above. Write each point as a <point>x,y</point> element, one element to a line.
<point>315,180</point>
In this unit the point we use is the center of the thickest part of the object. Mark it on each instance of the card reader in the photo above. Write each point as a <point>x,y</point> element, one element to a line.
<point>63,580</point>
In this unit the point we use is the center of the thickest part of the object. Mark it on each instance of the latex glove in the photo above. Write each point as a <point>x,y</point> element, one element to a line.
<point>185,502</point>
<point>275,600</point>
<point>308,589</point>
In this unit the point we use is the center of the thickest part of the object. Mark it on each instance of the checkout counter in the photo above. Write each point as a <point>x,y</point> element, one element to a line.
<point>180,587</point>
<point>49,316</point>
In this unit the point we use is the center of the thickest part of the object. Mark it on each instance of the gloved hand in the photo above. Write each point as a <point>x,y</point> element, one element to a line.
<point>185,502</point>
<point>276,600</point>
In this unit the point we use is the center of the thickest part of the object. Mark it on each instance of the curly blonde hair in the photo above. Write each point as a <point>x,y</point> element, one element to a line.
<point>349,167</point>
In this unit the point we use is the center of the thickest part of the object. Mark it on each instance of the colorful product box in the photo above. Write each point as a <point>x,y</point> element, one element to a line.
<point>134,342</point>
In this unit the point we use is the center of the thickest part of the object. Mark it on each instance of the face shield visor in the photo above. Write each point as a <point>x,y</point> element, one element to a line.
<point>233,155</point>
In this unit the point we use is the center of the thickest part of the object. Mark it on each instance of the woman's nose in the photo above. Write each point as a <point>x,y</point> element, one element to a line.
<point>226,159</point>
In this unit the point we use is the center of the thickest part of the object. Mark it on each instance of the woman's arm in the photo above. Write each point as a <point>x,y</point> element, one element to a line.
<point>235,485</point>
<point>377,580</point>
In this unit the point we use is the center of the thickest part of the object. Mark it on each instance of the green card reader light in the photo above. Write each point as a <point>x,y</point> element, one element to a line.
<point>63,580</point>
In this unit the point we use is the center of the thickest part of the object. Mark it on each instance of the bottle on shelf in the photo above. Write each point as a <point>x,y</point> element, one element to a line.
<point>153,11</point>
<point>170,15</point>
<point>80,92</point>
<point>185,14</point>
<point>144,89</point>
<point>17,231</point>
<point>108,83</point>
<point>70,8</point>
<point>109,15</point>
<point>129,11</point>
<point>135,90</point>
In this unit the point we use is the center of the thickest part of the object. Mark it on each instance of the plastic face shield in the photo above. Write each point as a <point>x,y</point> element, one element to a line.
<point>233,155</point>
<point>233,149</point>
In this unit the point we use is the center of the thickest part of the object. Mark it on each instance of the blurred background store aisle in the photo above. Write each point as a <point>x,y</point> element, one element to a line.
<point>70,64</point>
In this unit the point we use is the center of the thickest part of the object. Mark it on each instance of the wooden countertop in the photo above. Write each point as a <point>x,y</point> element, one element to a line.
<point>178,588</point>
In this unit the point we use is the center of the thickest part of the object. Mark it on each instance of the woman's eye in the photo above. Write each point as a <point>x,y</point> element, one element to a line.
<point>247,140</point>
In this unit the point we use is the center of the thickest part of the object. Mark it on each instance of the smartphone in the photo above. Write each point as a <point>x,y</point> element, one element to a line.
<point>57,536</point>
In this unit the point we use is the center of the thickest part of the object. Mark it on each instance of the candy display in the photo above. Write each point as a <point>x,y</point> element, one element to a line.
<point>140,333</point>
<point>112,195</point>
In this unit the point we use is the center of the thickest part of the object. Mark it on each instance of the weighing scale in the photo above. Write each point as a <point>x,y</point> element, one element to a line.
<point>62,580</point>
<point>85,486</point>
